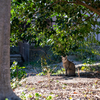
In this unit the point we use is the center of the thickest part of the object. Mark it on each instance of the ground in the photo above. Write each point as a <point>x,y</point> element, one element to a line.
<point>84,86</point>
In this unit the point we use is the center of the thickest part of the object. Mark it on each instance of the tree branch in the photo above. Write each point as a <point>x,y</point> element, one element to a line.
<point>77,3</point>
<point>85,20</point>
<point>89,7</point>
<point>89,17</point>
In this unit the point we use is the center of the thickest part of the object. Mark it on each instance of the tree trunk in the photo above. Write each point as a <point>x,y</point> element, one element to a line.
<point>5,88</point>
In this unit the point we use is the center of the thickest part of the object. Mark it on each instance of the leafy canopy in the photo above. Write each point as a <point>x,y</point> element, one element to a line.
<point>32,20</point>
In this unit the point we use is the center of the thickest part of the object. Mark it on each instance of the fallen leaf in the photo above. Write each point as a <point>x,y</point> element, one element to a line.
<point>44,96</point>
<point>39,81</point>
<point>75,92</point>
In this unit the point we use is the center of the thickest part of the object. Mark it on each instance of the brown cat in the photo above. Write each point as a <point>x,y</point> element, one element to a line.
<point>69,66</point>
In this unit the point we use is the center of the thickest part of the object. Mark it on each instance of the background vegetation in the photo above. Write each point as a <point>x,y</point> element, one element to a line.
<point>31,21</point>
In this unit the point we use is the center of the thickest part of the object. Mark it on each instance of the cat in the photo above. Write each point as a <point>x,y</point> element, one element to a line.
<point>69,66</point>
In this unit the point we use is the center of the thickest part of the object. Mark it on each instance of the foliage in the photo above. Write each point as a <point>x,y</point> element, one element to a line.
<point>86,50</point>
<point>51,72</point>
<point>50,69</point>
<point>31,21</point>
<point>15,83</point>
<point>52,58</point>
<point>89,61</point>
<point>47,69</point>
<point>86,66</point>
<point>33,63</point>
<point>37,95</point>
<point>17,71</point>
<point>49,98</point>
<point>22,96</point>
<point>58,72</point>
<point>6,99</point>
<point>48,56</point>
<point>30,95</point>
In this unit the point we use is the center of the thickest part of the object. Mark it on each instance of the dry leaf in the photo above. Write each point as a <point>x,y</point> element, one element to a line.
<point>75,93</point>
<point>39,81</point>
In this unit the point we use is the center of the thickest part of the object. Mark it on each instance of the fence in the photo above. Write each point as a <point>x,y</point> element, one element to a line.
<point>30,53</point>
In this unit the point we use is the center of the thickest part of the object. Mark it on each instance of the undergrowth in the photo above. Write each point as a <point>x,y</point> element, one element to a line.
<point>17,73</point>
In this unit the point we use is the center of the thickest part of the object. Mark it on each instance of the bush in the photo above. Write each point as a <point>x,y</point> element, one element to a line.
<point>16,71</point>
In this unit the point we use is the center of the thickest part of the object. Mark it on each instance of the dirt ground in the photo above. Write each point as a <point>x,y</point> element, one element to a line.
<point>85,86</point>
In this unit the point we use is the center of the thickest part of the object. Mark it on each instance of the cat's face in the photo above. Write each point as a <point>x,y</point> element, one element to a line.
<point>64,58</point>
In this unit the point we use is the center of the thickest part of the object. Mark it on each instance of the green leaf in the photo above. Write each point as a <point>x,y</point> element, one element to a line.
<point>83,67</point>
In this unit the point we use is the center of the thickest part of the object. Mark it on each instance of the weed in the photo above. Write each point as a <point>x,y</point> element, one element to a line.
<point>16,71</point>
<point>30,96</point>
<point>58,72</point>
<point>6,99</point>
<point>47,70</point>
<point>30,89</point>
<point>14,83</point>
<point>87,63</point>
<point>23,97</point>
<point>49,98</point>
<point>37,95</point>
